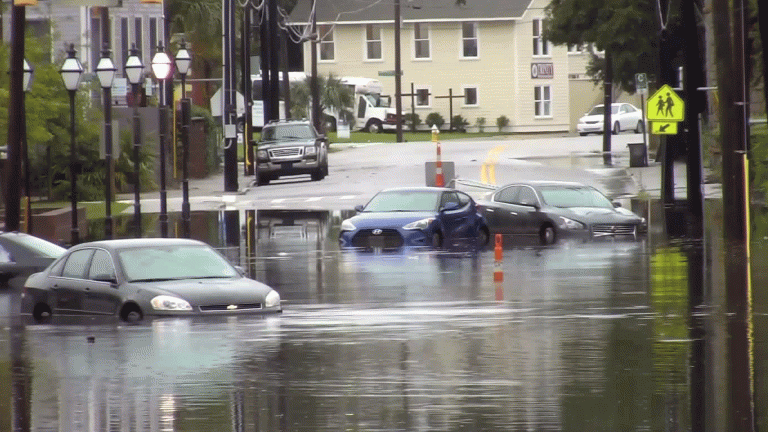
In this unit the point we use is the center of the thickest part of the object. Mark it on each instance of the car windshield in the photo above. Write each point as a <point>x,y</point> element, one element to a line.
<point>598,110</point>
<point>173,262</point>
<point>559,196</point>
<point>412,201</point>
<point>287,131</point>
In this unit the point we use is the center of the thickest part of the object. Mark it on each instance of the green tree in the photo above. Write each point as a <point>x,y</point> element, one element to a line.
<point>624,29</point>
<point>335,97</point>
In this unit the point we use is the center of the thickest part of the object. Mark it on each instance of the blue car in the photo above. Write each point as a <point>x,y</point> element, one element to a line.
<point>415,216</point>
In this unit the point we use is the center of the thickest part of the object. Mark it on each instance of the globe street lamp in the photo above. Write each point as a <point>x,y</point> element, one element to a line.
<point>183,62</point>
<point>27,81</point>
<point>161,67</point>
<point>133,71</point>
<point>106,73</point>
<point>71,72</point>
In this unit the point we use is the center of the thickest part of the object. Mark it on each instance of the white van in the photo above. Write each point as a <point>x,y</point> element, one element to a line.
<point>372,110</point>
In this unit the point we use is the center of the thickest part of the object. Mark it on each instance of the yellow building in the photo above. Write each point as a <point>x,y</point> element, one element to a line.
<point>488,54</point>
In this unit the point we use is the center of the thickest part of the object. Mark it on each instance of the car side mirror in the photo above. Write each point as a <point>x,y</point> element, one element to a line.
<point>616,204</point>
<point>105,277</point>
<point>359,208</point>
<point>450,206</point>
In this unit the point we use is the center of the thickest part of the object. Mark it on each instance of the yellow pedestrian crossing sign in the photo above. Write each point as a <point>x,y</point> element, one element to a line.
<point>665,105</point>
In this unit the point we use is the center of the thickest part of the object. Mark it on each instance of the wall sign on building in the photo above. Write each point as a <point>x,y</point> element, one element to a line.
<point>542,70</point>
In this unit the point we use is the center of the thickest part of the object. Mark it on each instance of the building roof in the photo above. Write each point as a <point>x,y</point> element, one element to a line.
<point>372,11</point>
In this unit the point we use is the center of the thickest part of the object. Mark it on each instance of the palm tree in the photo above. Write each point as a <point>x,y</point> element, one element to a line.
<point>198,22</point>
<point>336,99</point>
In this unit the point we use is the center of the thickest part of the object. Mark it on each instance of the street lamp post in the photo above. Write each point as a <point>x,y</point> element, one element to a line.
<point>161,67</point>
<point>27,80</point>
<point>133,71</point>
<point>106,73</point>
<point>71,72</point>
<point>183,62</point>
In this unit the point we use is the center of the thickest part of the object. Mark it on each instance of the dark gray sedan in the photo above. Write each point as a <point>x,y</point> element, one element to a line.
<point>134,278</point>
<point>553,209</point>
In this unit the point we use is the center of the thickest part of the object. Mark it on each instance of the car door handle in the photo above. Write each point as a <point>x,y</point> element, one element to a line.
<point>513,213</point>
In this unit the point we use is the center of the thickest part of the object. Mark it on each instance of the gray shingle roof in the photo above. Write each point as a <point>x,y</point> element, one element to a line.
<point>353,11</point>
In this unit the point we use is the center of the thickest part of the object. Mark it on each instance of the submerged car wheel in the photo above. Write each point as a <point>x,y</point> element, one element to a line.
<point>547,235</point>
<point>131,313</point>
<point>616,128</point>
<point>640,127</point>
<point>41,313</point>
<point>483,237</point>
<point>318,174</point>
<point>437,239</point>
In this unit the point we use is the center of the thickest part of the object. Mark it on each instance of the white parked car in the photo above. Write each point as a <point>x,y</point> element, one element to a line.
<point>624,116</point>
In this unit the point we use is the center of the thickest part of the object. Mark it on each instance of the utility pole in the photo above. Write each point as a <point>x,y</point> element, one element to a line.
<point>12,185</point>
<point>274,58</point>
<point>398,78</point>
<point>693,78</point>
<point>314,90</point>
<point>248,91</point>
<point>229,110</point>
<point>607,102</point>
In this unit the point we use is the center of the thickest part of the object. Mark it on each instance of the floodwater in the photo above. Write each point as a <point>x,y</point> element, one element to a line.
<point>575,337</point>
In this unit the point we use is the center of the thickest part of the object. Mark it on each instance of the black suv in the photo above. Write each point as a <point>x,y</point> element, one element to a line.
<point>291,147</point>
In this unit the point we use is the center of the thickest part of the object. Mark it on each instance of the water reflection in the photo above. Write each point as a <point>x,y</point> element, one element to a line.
<point>613,335</point>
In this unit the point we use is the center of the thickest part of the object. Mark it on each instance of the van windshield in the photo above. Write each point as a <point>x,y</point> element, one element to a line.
<point>378,100</point>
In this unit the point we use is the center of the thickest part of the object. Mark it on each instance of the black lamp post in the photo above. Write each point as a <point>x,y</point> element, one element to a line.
<point>71,72</point>
<point>134,69</point>
<point>161,67</point>
<point>27,81</point>
<point>183,62</point>
<point>106,73</point>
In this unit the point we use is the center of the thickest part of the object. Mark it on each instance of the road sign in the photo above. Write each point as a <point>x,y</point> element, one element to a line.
<point>664,128</point>
<point>388,73</point>
<point>641,83</point>
<point>665,106</point>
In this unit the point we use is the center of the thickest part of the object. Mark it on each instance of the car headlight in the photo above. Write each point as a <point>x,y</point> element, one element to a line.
<point>262,154</point>
<point>419,224</point>
<point>310,150</point>
<point>169,303</point>
<point>565,223</point>
<point>347,225</point>
<point>272,299</point>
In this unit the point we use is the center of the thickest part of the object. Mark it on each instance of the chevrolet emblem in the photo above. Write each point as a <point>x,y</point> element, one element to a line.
<point>231,307</point>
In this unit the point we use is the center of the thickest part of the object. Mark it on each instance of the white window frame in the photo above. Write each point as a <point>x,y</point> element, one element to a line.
<point>464,39</point>
<point>477,96</point>
<point>575,49</point>
<point>542,103</point>
<point>426,29</point>
<point>326,35</point>
<point>541,47</point>
<point>368,42</point>
<point>416,89</point>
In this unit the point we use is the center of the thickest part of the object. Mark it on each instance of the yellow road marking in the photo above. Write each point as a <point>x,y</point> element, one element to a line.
<point>488,170</point>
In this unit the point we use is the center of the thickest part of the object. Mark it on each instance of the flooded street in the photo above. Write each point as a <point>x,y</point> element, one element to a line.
<point>576,337</point>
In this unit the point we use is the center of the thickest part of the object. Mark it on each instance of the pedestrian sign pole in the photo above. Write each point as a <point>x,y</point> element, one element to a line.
<point>665,109</point>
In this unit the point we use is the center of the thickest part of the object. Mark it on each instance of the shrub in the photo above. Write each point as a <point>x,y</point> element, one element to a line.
<point>435,119</point>
<point>501,122</point>
<point>459,123</point>
<point>480,122</point>
<point>412,120</point>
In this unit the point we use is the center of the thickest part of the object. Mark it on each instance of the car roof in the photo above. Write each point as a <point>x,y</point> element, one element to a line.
<point>138,242</point>
<point>548,183</point>
<point>417,189</point>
